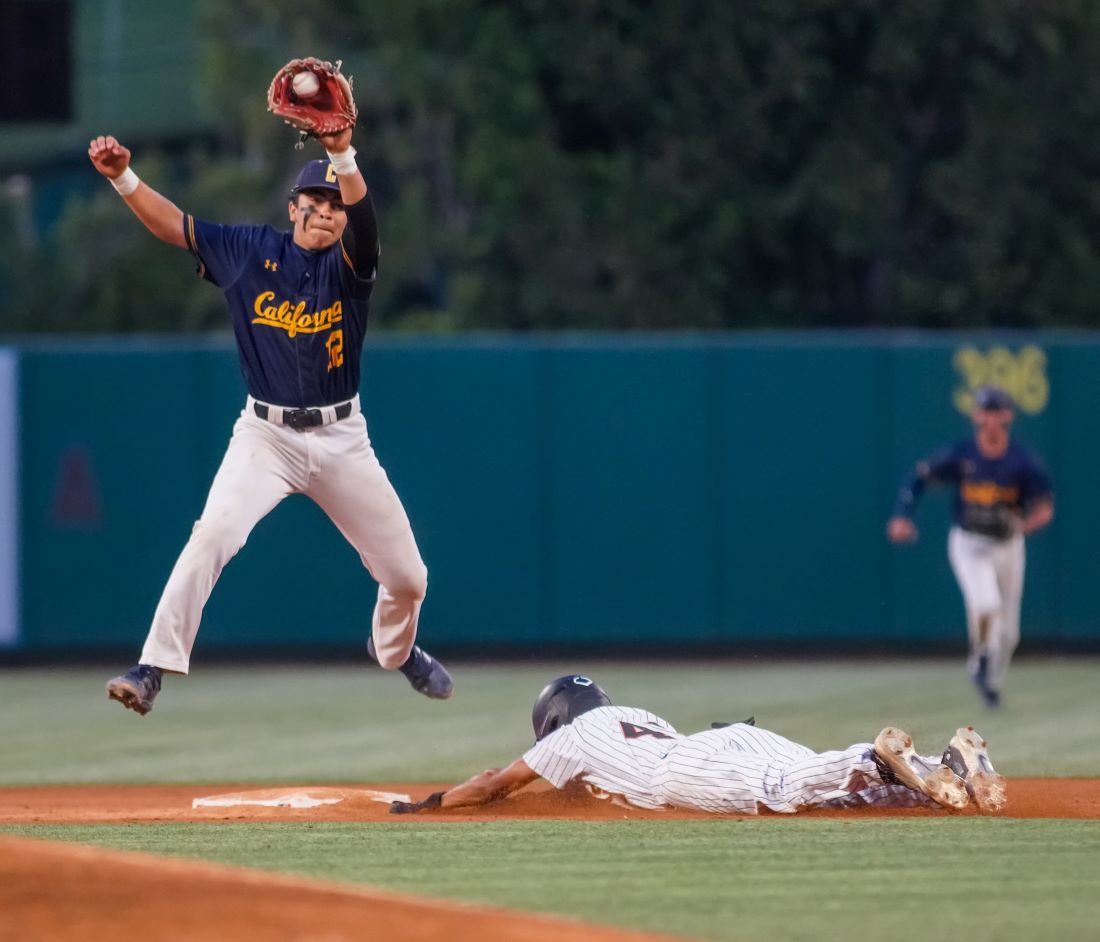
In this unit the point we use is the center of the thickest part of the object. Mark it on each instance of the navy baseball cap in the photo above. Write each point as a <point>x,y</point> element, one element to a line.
<point>992,399</point>
<point>316,175</point>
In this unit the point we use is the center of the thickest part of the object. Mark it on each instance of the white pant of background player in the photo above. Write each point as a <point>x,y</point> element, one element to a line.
<point>990,574</point>
<point>336,466</point>
<point>739,769</point>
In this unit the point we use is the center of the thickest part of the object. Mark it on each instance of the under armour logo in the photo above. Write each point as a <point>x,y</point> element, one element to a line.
<point>582,681</point>
<point>270,265</point>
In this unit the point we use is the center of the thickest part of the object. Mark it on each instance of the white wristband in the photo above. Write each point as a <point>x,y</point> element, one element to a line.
<point>126,182</point>
<point>344,162</point>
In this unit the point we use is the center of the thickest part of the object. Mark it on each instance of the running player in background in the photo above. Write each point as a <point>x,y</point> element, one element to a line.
<point>298,303</point>
<point>634,757</point>
<point>1002,495</point>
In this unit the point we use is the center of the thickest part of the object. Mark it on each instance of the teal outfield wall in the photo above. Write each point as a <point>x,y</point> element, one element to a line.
<point>672,491</point>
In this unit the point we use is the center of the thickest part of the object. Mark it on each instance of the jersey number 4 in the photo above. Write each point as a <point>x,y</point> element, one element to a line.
<point>632,731</point>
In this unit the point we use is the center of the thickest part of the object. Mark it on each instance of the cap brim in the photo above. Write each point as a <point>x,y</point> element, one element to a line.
<point>315,186</point>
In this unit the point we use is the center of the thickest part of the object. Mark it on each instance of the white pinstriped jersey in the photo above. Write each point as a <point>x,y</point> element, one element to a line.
<point>738,769</point>
<point>614,749</point>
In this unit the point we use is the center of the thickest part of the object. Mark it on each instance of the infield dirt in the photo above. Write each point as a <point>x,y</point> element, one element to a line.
<point>133,804</point>
<point>54,891</point>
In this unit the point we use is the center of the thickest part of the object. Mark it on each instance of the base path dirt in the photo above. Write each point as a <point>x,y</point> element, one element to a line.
<point>135,804</point>
<point>54,891</point>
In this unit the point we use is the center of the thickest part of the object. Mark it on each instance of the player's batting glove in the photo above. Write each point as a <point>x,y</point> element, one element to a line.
<point>434,800</point>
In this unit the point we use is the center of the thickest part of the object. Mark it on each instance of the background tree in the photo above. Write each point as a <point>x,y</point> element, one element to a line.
<point>635,164</point>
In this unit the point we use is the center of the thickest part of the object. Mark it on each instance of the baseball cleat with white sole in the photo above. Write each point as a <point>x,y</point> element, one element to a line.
<point>967,756</point>
<point>894,750</point>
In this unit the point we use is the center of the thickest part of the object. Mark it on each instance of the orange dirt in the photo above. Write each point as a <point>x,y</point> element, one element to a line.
<point>137,804</point>
<point>52,891</point>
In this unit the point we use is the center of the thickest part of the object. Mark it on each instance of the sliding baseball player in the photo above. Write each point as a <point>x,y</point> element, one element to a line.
<point>634,757</point>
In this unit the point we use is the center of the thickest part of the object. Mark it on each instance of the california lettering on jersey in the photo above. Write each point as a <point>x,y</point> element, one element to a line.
<point>989,492</point>
<point>294,320</point>
<point>984,486</point>
<point>299,316</point>
<point>988,487</point>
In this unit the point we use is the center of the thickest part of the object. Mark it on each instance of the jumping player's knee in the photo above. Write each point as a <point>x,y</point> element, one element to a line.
<point>410,586</point>
<point>215,539</point>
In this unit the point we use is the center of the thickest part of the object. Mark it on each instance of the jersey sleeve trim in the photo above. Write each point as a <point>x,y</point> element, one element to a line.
<point>189,236</point>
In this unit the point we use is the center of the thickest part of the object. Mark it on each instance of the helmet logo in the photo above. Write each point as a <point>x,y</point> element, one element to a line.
<point>582,681</point>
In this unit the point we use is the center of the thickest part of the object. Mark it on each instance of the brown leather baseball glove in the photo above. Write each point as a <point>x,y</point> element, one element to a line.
<point>322,107</point>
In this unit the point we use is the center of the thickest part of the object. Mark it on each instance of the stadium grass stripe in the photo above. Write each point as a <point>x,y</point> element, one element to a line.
<point>353,723</point>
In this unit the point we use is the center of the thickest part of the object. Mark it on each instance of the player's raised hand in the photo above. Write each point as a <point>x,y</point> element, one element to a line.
<point>901,530</point>
<point>108,156</point>
<point>352,185</point>
<point>337,142</point>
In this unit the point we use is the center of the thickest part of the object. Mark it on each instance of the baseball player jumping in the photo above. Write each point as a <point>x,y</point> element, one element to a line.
<point>1002,494</point>
<point>298,302</point>
<point>636,758</point>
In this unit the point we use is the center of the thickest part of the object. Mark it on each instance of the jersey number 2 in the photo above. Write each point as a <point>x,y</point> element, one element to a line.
<point>631,731</point>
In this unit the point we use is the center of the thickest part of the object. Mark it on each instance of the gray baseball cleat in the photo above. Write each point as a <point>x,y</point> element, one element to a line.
<point>137,688</point>
<point>899,764</point>
<point>968,757</point>
<point>424,673</point>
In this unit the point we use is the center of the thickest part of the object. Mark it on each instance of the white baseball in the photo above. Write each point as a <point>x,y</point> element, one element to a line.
<point>305,84</point>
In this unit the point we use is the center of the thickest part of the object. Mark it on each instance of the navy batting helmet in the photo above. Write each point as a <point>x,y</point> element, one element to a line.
<point>563,700</point>
<point>992,399</point>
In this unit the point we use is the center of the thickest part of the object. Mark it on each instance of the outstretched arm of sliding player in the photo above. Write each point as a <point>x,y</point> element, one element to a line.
<point>159,214</point>
<point>490,785</point>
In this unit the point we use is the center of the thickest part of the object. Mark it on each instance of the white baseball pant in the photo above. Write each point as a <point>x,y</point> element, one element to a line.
<point>990,574</point>
<point>334,465</point>
<point>741,769</point>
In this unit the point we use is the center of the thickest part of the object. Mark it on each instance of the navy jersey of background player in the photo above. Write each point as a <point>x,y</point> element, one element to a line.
<point>299,316</point>
<point>985,487</point>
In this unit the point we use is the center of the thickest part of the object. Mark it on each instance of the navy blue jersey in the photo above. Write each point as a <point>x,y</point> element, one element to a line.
<point>985,488</point>
<point>299,316</point>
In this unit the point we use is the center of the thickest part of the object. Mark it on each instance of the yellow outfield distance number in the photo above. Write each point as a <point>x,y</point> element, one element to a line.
<point>1023,375</point>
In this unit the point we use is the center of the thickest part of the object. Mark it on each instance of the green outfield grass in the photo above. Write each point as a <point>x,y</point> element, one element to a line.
<point>770,879</point>
<point>356,723</point>
<point>744,881</point>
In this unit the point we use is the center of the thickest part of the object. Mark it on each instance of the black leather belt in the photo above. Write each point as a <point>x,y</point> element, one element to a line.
<point>302,419</point>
